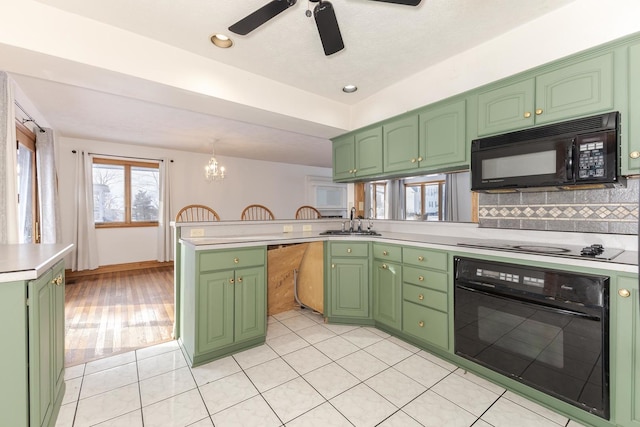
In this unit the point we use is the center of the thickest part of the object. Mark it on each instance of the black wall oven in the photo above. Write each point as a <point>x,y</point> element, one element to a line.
<point>545,328</point>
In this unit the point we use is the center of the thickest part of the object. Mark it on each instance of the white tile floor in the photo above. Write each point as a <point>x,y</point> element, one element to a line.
<point>307,374</point>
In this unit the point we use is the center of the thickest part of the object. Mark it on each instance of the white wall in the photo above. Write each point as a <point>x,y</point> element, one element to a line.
<point>279,186</point>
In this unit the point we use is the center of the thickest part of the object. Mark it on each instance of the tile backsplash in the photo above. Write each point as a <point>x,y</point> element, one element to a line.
<point>611,210</point>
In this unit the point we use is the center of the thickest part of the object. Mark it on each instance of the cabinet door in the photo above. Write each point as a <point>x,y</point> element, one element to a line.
<point>387,293</point>
<point>426,324</point>
<point>506,108</point>
<point>400,144</point>
<point>349,287</point>
<point>250,303</point>
<point>368,152</point>
<point>575,90</point>
<point>41,294</point>
<point>631,153</point>
<point>443,141</point>
<point>215,310</point>
<point>58,327</point>
<point>627,352</point>
<point>343,157</point>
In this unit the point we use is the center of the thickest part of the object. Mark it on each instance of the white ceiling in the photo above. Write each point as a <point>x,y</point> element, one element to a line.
<point>280,63</point>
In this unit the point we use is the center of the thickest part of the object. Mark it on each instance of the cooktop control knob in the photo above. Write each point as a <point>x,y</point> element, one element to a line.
<point>592,250</point>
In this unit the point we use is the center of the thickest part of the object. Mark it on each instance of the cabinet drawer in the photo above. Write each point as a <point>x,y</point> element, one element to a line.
<point>424,297</point>
<point>237,258</point>
<point>426,324</point>
<point>425,258</point>
<point>426,278</point>
<point>355,249</point>
<point>387,252</point>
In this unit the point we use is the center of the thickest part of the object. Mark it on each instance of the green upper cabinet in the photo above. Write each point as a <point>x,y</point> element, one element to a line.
<point>443,142</point>
<point>357,155</point>
<point>400,144</point>
<point>630,152</point>
<point>574,90</point>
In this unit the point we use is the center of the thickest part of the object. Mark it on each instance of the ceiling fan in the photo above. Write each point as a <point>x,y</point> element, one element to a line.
<point>323,13</point>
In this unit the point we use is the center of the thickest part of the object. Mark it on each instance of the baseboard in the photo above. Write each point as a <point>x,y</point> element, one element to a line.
<point>113,268</point>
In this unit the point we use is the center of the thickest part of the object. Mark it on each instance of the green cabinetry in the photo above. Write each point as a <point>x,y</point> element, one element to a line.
<point>630,152</point>
<point>33,373</point>
<point>577,89</point>
<point>387,285</point>
<point>627,351</point>
<point>358,155</point>
<point>223,301</point>
<point>425,295</point>
<point>348,288</point>
<point>443,141</point>
<point>400,144</point>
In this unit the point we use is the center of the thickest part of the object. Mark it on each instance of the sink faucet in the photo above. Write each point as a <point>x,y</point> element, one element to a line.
<point>353,213</point>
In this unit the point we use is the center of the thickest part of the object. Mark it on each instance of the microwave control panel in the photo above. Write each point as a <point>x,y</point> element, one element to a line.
<point>591,160</point>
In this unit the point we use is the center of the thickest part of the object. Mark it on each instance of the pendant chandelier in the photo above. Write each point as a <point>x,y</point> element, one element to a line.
<point>213,170</point>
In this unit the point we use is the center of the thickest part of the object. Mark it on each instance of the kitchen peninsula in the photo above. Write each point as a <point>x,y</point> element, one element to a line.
<point>369,281</point>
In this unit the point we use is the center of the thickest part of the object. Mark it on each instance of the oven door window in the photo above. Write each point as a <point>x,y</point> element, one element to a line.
<point>551,350</point>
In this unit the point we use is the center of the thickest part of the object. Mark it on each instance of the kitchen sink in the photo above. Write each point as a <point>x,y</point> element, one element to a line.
<point>350,233</point>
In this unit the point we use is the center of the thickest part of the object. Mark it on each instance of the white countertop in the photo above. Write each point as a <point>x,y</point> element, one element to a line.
<point>625,262</point>
<point>28,261</point>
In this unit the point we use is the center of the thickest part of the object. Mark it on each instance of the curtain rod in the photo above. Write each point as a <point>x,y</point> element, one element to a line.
<point>124,157</point>
<point>31,119</point>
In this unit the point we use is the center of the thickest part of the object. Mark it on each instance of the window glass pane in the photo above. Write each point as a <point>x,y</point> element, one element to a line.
<point>108,193</point>
<point>25,194</point>
<point>432,207</point>
<point>380,196</point>
<point>144,194</point>
<point>413,203</point>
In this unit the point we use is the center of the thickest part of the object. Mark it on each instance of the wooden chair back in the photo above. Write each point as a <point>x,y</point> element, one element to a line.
<point>308,212</point>
<point>256,213</point>
<point>197,213</point>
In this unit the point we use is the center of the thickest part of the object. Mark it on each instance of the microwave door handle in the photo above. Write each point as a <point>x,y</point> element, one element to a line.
<point>569,161</point>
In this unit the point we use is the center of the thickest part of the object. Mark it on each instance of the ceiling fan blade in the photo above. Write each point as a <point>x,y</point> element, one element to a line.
<point>260,16</point>
<point>404,2</point>
<point>328,28</point>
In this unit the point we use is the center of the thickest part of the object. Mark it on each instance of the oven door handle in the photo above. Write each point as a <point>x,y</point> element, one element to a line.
<point>540,303</point>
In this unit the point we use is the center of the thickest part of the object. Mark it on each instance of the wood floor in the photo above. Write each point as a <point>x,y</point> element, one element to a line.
<point>112,313</point>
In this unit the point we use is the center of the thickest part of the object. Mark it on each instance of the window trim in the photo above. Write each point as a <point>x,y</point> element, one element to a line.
<point>127,164</point>
<point>423,185</point>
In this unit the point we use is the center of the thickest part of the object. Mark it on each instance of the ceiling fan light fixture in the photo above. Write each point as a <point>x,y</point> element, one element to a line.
<point>349,88</point>
<point>221,41</point>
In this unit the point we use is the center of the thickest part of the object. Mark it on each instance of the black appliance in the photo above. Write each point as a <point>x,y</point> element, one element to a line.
<point>582,152</point>
<point>545,328</point>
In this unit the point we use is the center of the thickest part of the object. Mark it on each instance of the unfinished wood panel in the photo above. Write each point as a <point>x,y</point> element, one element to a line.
<point>311,277</point>
<point>358,199</point>
<point>281,262</point>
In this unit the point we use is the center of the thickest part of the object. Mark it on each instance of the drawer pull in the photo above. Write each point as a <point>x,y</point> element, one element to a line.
<point>385,253</point>
<point>421,324</point>
<point>420,258</point>
<point>420,297</point>
<point>634,154</point>
<point>349,250</point>
<point>384,266</point>
<point>421,278</point>
<point>624,293</point>
<point>231,281</point>
<point>236,260</point>
<point>239,279</point>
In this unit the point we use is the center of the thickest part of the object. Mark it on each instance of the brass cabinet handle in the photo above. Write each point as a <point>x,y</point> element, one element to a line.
<point>355,170</point>
<point>624,293</point>
<point>634,154</point>
<point>333,266</point>
<point>538,111</point>
<point>348,250</point>
<point>420,297</point>
<point>421,324</point>
<point>419,159</point>
<point>231,281</point>
<point>413,160</point>
<point>239,279</point>
<point>57,281</point>
<point>527,114</point>
<point>421,278</point>
<point>384,266</point>
<point>385,253</point>
<point>236,260</point>
<point>421,258</point>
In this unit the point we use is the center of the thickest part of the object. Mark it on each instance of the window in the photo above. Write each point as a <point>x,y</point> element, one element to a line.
<point>28,220</point>
<point>376,195</point>
<point>424,201</point>
<point>125,193</point>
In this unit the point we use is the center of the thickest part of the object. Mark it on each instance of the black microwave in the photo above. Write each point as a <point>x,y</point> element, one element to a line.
<point>581,153</point>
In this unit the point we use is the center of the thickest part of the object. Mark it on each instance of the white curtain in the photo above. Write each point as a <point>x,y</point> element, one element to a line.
<point>451,198</point>
<point>8,161</point>
<point>85,255</point>
<point>396,197</point>
<point>165,235</point>
<point>49,202</point>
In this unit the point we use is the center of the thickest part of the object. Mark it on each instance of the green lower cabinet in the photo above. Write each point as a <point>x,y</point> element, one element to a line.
<point>387,293</point>
<point>627,351</point>
<point>350,287</point>
<point>427,324</point>
<point>250,304</point>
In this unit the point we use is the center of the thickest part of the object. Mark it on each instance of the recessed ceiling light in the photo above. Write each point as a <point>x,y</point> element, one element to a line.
<point>221,40</point>
<point>349,88</point>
